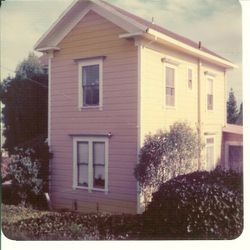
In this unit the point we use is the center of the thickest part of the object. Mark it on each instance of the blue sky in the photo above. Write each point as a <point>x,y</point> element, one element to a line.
<point>217,23</point>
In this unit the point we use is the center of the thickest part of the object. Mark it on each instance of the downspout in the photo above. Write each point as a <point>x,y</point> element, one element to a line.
<point>199,109</point>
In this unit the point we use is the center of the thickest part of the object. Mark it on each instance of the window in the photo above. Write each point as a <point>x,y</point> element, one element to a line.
<point>90,83</point>
<point>190,78</point>
<point>210,97</point>
<point>170,86</point>
<point>91,163</point>
<point>210,154</point>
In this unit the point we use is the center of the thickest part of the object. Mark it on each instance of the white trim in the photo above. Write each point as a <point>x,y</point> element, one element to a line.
<point>227,144</point>
<point>48,49</point>
<point>131,35</point>
<point>140,206</point>
<point>190,50</point>
<point>49,98</point>
<point>172,66</point>
<point>207,145</point>
<point>90,141</point>
<point>170,61</point>
<point>210,73</point>
<point>89,62</point>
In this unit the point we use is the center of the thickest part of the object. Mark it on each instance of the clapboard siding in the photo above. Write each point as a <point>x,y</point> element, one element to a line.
<point>95,36</point>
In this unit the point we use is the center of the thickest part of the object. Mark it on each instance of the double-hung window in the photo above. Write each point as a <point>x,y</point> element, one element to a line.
<point>91,163</point>
<point>210,95</point>
<point>90,83</point>
<point>170,86</point>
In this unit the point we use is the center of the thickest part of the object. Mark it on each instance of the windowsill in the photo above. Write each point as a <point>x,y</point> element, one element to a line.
<point>170,107</point>
<point>91,190</point>
<point>91,107</point>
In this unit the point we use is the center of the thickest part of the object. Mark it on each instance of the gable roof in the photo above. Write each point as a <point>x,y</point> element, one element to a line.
<point>134,25</point>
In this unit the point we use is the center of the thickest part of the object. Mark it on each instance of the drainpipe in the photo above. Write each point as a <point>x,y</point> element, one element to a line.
<point>199,109</point>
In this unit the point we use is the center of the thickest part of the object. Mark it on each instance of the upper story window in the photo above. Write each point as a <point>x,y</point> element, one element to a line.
<point>90,83</point>
<point>210,95</point>
<point>190,78</point>
<point>170,86</point>
<point>91,163</point>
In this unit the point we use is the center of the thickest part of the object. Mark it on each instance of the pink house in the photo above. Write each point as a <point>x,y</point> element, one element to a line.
<point>114,78</point>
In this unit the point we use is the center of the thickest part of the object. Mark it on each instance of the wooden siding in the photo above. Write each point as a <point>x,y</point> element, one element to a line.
<point>95,36</point>
<point>154,113</point>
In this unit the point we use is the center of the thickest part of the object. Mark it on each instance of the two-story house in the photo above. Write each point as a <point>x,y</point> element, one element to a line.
<point>113,78</point>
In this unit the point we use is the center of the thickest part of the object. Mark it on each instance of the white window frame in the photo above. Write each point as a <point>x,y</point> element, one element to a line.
<point>207,80</point>
<point>172,66</point>
<point>90,141</point>
<point>207,145</point>
<point>84,63</point>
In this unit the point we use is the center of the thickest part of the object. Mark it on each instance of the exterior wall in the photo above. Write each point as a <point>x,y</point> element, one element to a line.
<point>155,115</point>
<point>95,36</point>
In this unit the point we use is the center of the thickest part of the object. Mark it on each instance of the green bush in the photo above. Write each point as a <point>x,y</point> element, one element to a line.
<point>166,155</point>
<point>200,205</point>
<point>28,172</point>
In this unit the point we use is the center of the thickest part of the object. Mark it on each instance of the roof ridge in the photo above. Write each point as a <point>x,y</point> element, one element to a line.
<point>162,30</point>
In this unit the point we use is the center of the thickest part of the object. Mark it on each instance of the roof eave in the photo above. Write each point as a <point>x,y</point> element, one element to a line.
<point>155,35</point>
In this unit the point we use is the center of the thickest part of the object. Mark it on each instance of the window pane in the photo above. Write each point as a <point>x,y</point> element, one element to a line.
<point>82,163</point>
<point>170,76</point>
<point>90,81</point>
<point>99,164</point>
<point>83,152</point>
<point>209,102</point>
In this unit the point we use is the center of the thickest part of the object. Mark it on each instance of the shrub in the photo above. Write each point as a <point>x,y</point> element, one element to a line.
<point>166,155</point>
<point>200,205</point>
<point>28,171</point>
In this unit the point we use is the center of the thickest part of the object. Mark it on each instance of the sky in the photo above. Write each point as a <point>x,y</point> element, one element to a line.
<point>216,23</point>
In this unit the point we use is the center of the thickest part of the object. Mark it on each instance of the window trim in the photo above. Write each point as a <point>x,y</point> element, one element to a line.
<point>207,79</point>
<point>209,145</point>
<point>90,141</point>
<point>168,65</point>
<point>90,62</point>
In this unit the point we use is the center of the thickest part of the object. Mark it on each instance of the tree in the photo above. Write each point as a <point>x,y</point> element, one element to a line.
<point>232,112</point>
<point>29,67</point>
<point>24,112</point>
<point>166,155</point>
<point>239,120</point>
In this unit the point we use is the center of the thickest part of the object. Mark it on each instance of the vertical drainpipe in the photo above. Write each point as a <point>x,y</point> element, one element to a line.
<point>50,55</point>
<point>139,49</point>
<point>199,109</point>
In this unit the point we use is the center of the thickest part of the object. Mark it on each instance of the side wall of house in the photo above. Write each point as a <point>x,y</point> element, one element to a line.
<point>154,113</point>
<point>95,36</point>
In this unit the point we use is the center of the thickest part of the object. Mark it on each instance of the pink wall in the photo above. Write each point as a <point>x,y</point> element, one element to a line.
<point>95,36</point>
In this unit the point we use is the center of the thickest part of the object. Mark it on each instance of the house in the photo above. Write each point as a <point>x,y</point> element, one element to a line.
<point>114,78</point>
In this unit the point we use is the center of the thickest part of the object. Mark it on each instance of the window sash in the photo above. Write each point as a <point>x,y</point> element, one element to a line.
<point>170,86</point>
<point>90,85</point>
<point>91,173</point>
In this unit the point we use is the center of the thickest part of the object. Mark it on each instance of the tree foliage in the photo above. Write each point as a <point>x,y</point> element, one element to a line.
<point>232,111</point>
<point>25,106</point>
<point>29,67</point>
<point>167,154</point>
<point>239,120</point>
